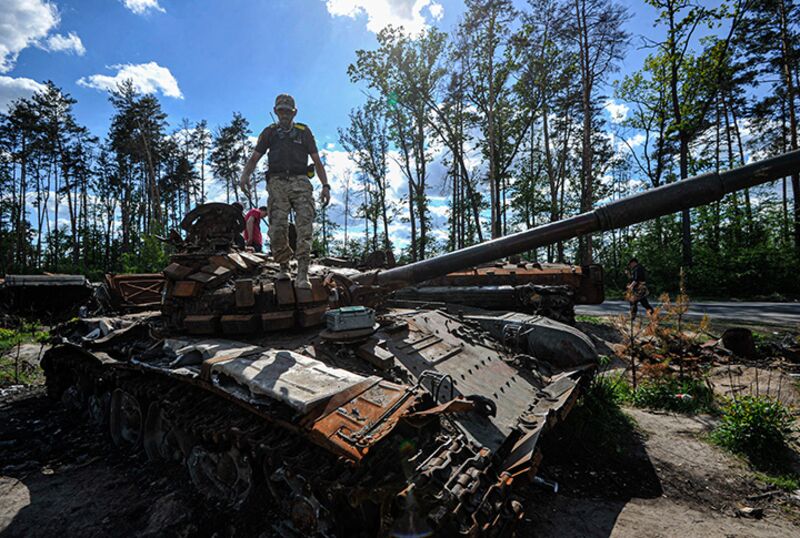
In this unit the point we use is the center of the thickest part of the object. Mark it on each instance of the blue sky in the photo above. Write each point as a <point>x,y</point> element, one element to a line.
<point>224,56</point>
<point>206,59</point>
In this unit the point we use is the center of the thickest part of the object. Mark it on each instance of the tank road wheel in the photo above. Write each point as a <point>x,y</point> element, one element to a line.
<point>125,421</point>
<point>76,395</point>
<point>225,477</point>
<point>158,438</point>
<point>99,405</point>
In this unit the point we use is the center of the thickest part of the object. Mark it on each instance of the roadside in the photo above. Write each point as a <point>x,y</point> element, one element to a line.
<point>682,486</point>
<point>749,313</point>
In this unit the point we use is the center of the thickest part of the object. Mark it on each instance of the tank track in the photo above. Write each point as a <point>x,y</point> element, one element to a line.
<point>234,453</point>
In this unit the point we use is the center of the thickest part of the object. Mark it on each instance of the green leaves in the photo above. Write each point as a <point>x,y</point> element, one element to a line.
<point>756,427</point>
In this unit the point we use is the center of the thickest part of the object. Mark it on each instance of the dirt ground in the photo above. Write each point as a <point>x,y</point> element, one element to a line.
<point>60,476</point>
<point>669,482</point>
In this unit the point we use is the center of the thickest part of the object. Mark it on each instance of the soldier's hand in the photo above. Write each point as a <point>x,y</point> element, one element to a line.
<point>325,197</point>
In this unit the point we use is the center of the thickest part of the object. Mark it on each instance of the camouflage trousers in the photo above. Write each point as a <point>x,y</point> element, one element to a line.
<point>285,194</point>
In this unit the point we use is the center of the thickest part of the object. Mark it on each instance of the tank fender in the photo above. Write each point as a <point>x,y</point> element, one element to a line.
<point>555,343</point>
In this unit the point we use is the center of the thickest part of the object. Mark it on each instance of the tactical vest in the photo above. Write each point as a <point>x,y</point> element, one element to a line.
<point>288,152</point>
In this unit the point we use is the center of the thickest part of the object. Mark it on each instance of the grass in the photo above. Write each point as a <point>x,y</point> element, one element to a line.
<point>786,482</point>
<point>12,371</point>
<point>595,320</point>
<point>689,395</point>
<point>27,333</point>
<point>757,427</point>
<point>598,423</point>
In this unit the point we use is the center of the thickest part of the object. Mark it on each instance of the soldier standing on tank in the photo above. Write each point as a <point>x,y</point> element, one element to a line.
<point>637,288</point>
<point>290,144</point>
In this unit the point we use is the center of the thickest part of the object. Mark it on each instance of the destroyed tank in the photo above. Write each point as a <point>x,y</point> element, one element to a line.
<point>548,289</point>
<point>350,415</point>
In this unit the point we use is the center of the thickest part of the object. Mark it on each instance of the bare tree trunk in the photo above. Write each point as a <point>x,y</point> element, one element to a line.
<point>786,59</point>
<point>585,242</point>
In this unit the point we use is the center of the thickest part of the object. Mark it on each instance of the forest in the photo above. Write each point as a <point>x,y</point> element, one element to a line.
<point>519,104</point>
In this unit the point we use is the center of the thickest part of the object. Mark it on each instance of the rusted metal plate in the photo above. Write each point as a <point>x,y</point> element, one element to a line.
<point>176,271</point>
<point>135,290</point>
<point>222,261</point>
<point>279,320</point>
<point>186,288</point>
<point>244,292</point>
<point>250,259</point>
<point>352,427</point>
<point>587,280</point>
<point>240,324</point>
<point>284,291</point>
<point>313,316</point>
<point>201,324</point>
<point>318,291</point>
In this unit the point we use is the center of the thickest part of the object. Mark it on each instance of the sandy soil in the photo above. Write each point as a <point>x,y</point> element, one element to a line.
<point>668,483</point>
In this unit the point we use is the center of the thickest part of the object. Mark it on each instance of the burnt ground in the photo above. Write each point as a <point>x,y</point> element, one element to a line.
<point>659,477</point>
<point>60,476</point>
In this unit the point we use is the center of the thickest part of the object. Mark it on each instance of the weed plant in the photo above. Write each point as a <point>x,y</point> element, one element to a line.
<point>689,395</point>
<point>12,369</point>
<point>597,423</point>
<point>756,427</point>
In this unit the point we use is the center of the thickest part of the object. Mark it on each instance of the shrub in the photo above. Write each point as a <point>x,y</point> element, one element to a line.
<point>756,427</point>
<point>688,395</point>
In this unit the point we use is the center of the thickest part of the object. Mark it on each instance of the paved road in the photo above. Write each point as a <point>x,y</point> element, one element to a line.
<point>749,313</point>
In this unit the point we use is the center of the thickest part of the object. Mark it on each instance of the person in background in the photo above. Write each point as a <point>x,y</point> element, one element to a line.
<point>637,288</point>
<point>252,228</point>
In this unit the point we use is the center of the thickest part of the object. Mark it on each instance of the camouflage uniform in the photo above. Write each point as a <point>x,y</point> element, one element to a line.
<point>289,145</point>
<point>286,193</point>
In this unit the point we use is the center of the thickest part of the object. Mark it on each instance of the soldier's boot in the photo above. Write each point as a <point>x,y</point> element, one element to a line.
<point>302,281</point>
<point>284,273</point>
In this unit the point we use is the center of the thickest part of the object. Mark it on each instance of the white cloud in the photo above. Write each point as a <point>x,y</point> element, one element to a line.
<point>23,23</point>
<point>380,13</point>
<point>617,111</point>
<point>636,140</point>
<point>140,7</point>
<point>69,43</point>
<point>146,78</point>
<point>16,88</point>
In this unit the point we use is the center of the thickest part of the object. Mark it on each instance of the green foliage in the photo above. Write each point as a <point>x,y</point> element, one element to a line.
<point>787,482</point>
<point>690,395</point>
<point>597,421</point>
<point>28,332</point>
<point>756,427</point>
<point>13,371</point>
<point>151,257</point>
<point>596,320</point>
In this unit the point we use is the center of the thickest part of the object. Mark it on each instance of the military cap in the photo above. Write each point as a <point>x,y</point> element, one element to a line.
<point>285,101</point>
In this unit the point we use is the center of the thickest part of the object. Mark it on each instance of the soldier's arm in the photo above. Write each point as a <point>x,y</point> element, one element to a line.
<point>325,197</point>
<point>252,162</point>
<point>320,168</point>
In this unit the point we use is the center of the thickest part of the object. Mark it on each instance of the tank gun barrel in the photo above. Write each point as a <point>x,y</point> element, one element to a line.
<point>664,200</point>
